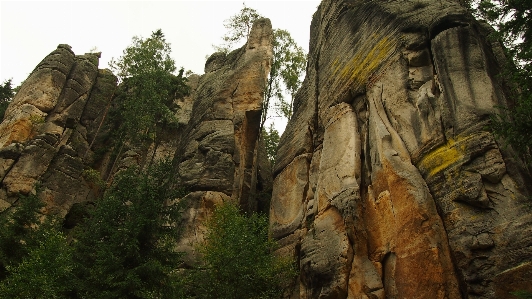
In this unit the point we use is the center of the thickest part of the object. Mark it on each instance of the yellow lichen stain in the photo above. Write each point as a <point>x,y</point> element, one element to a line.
<point>364,62</point>
<point>336,62</point>
<point>444,156</point>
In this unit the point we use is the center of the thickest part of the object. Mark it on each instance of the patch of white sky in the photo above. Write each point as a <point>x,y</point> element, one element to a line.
<point>29,30</point>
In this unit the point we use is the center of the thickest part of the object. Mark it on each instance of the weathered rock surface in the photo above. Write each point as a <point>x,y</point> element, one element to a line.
<point>219,145</point>
<point>56,134</point>
<point>218,155</point>
<point>387,184</point>
<point>42,138</point>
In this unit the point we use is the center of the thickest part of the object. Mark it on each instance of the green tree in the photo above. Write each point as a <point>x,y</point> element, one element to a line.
<point>513,23</point>
<point>6,95</point>
<point>126,248</point>
<point>522,294</point>
<point>34,255</point>
<point>271,138</point>
<point>18,232</point>
<point>238,259</point>
<point>146,72</point>
<point>288,65</point>
<point>287,68</point>
<point>238,27</point>
<point>46,271</point>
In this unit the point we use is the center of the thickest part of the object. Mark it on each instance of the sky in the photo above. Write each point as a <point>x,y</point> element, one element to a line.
<point>30,30</point>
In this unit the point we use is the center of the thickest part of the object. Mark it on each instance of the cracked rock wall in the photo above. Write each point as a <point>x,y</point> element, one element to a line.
<point>387,184</point>
<point>57,127</point>
<point>218,156</point>
<point>45,135</point>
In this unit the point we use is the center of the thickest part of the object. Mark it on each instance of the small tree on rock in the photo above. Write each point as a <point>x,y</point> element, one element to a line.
<point>146,72</point>
<point>6,95</point>
<point>271,137</point>
<point>288,64</point>
<point>238,28</point>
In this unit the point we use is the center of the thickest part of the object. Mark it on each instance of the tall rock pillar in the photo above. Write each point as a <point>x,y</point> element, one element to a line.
<point>218,156</point>
<point>387,184</point>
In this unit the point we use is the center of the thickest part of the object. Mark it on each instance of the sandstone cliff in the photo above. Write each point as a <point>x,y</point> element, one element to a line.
<point>55,136</point>
<point>48,126</point>
<point>387,182</point>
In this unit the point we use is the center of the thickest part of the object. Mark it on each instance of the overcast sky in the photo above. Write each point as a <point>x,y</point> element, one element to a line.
<point>32,29</point>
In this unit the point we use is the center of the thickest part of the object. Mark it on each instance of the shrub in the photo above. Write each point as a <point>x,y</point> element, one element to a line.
<point>238,259</point>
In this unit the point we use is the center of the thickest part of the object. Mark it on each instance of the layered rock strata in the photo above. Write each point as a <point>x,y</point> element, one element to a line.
<point>218,156</point>
<point>387,183</point>
<point>47,129</point>
<point>55,137</point>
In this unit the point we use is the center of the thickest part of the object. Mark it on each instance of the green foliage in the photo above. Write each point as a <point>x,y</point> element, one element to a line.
<point>126,249</point>
<point>6,91</point>
<point>238,258</point>
<point>512,19</point>
<point>146,72</point>
<point>288,65</point>
<point>94,180</point>
<point>238,28</point>
<point>16,89</point>
<point>18,232</point>
<point>271,138</point>
<point>37,119</point>
<point>6,95</point>
<point>93,176</point>
<point>522,294</point>
<point>46,271</point>
<point>514,125</point>
<point>34,257</point>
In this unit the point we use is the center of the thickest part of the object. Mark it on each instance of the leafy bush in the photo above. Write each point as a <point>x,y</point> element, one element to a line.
<point>6,95</point>
<point>271,138</point>
<point>522,294</point>
<point>35,260</point>
<point>514,28</point>
<point>238,259</point>
<point>46,272</point>
<point>149,86</point>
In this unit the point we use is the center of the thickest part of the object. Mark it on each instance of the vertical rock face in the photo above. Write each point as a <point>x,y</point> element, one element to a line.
<point>387,184</point>
<point>44,137</point>
<point>54,133</point>
<point>220,140</point>
<point>217,155</point>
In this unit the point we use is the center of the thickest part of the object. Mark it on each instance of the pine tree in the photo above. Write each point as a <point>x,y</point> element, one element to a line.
<point>126,248</point>
<point>148,87</point>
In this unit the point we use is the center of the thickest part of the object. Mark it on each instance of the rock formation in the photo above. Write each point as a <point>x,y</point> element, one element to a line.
<point>45,135</point>
<point>387,183</point>
<point>217,156</point>
<point>54,138</point>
